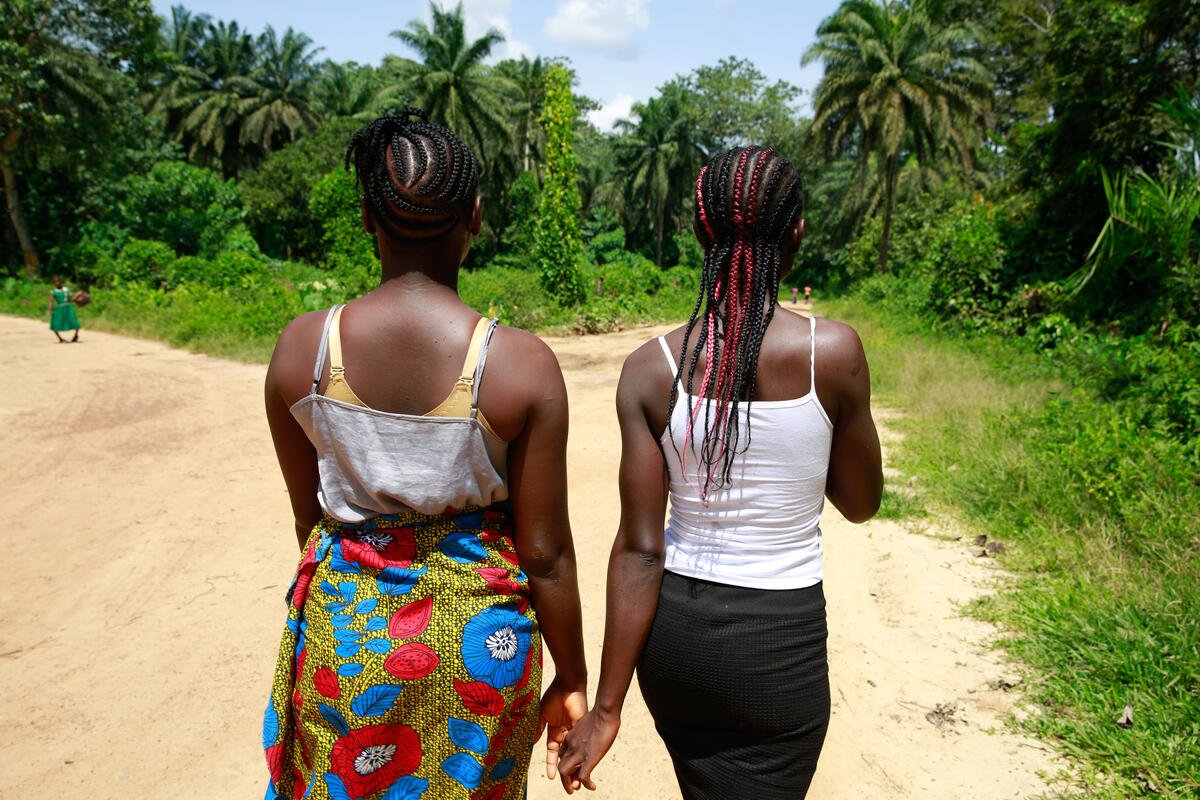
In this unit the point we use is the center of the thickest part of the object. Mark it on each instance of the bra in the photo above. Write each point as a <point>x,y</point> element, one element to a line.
<point>457,403</point>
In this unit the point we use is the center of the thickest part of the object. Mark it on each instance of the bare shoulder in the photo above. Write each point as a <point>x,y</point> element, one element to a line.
<point>645,384</point>
<point>292,362</point>
<point>523,351</point>
<point>647,359</point>
<point>838,347</point>
<point>303,330</point>
<point>522,374</point>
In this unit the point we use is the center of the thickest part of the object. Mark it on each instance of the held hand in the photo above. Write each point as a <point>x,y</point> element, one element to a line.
<point>561,709</point>
<point>587,743</point>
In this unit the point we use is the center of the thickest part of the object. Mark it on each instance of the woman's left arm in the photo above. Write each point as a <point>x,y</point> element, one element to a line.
<point>537,482</point>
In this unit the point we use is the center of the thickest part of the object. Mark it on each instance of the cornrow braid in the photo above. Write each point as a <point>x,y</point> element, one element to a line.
<point>748,200</point>
<point>417,177</point>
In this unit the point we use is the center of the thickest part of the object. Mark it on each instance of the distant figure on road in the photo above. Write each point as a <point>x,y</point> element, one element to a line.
<point>795,294</point>
<point>62,311</point>
<point>746,418</point>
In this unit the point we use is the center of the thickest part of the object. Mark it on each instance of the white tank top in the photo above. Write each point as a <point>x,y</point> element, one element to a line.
<point>763,531</point>
<point>376,462</point>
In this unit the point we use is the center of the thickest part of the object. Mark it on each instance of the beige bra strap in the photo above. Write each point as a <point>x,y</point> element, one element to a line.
<point>472,360</point>
<point>335,344</point>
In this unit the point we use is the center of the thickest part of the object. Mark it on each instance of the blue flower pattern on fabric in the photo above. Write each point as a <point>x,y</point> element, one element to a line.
<point>495,644</point>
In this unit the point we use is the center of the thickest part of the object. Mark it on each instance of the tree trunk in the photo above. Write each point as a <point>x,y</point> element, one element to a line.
<point>658,239</point>
<point>889,188</point>
<point>13,200</point>
<point>528,135</point>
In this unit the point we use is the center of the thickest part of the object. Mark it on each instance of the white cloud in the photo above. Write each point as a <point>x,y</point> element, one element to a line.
<point>480,15</point>
<point>605,25</point>
<point>606,116</point>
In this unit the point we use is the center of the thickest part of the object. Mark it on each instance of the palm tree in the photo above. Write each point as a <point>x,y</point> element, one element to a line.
<point>451,82</point>
<point>181,39</point>
<point>346,90</point>
<point>183,35</point>
<point>210,101</point>
<point>898,82</point>
<point>529,78</point>
<point>280,105</point>
<point>659,155</point>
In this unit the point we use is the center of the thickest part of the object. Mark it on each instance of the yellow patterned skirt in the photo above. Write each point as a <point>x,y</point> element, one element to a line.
<point>411,663</point>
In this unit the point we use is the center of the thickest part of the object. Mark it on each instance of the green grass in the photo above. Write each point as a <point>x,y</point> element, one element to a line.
<point>1100,520</point>
<point>242,322</point>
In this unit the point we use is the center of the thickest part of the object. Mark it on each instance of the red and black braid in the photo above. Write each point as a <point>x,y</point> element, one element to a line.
<point>748,200</point>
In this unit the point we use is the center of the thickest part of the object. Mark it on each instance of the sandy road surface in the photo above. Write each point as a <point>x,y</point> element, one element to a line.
<point>147,546</point>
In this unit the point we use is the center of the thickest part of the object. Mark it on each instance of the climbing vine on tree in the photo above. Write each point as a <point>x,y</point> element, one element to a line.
<point>556,242</point>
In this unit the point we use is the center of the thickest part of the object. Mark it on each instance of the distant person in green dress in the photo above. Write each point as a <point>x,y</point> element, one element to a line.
<point>62,311</point>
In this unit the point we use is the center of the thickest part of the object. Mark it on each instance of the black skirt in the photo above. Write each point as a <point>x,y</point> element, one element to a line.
<point>738,685</point>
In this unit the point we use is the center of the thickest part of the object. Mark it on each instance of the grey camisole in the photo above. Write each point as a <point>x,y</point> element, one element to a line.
<point>377,462</point>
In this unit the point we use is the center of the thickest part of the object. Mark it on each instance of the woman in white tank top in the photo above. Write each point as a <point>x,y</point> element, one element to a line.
<point>746,418</point>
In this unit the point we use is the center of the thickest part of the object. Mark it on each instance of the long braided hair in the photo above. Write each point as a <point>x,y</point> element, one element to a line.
<point>748,200</point>
<point>417,177</point>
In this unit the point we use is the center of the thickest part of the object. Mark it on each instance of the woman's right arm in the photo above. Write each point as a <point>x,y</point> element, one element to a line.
<point>635,566</point>
<point>287,377</point>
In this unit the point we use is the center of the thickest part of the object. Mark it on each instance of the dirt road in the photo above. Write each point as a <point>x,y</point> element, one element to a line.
<point>148,544</point>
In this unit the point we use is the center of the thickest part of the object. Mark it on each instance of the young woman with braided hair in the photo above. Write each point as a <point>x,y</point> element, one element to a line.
<point>436,550</point>
<point>747,417</point>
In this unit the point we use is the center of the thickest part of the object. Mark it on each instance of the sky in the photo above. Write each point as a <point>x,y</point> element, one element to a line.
<point>621,50</point>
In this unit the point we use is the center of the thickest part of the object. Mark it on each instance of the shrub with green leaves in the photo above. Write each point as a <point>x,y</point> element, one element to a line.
<point>629,274</point>
<point>91,257</point>
<point>276,192</point>
<point>228,269</point>
<point>608,246</point>
<point>189,208</point>
<point>517,242</point>
<point>140,261</point>
<point>964,261</point>
<point>335,201</point>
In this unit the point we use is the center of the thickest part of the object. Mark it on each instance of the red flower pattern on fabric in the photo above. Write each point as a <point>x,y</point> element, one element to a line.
<point>370,759</point>
<point>327,683</point>
<point>411,661</point>
<point>304,574</point>
<point>391,547</point>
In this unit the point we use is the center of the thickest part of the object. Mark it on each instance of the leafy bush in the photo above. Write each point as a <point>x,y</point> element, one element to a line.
<point>607,246</point>
<point>628,274</point>
<point>236,322</point>
<point>93,254</point>
<point>276,192</point>
<point>140,261</point>
<point>1155,382</point>
<point>227,269</point>
<point>335,201</point>
<point>189,208</point>
<point>516,244</point>
<point>691,254</point>
<point>964,260</point>
<point>515,296</point>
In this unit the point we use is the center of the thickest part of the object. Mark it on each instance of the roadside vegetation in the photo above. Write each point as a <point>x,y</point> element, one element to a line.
<point>1006,196</point>
<point>1097,519</point>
